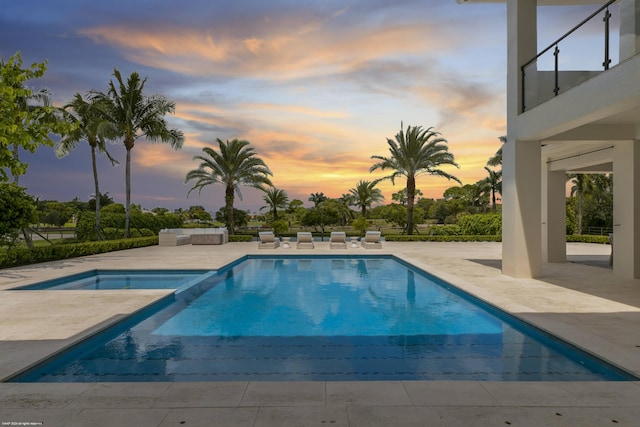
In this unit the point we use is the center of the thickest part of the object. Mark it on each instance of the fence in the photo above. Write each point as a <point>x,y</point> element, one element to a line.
<point>39,233</point>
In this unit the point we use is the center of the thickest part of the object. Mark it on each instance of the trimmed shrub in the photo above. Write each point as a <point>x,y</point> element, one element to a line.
<point>113,224</point>
<point>584,238</point>
<point>279,227</point>
<point>24,256</point>
<point>481,224</point>
<point>445,230</point>
<point>360,225</point>
<point>240,237</point>
<point>429,238</point>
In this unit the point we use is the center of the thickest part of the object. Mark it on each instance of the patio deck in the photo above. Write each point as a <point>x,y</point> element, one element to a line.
<point>584,304</point>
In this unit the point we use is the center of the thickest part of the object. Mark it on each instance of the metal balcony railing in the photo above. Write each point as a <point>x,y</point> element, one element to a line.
<point>542,78</point>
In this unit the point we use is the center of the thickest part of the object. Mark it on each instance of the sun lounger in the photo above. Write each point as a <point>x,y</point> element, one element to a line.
<point>371,240</point>
<point>338,240</point>
<point>267,240</point>
<point>305,240</point>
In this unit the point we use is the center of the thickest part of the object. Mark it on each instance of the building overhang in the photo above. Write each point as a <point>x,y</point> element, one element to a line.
<point>606,107</point>
<point>541,2</point>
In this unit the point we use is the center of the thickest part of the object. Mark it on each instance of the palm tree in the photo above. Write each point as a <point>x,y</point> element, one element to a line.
<point>496,159</point>
<point>400,196</point>
<point>582,184</point>
<point>275,199</point>
<point>234,165</point>
<point>317,198</point>
<point>86,116</point>
<point>342,207</point>
<point>365,194</point>
<point>132,115</point>
<point>412,154</point>
<point>493,183</point>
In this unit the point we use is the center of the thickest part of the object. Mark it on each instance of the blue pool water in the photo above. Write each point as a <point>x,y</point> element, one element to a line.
<point>117,279</point>
<point>322,318</point>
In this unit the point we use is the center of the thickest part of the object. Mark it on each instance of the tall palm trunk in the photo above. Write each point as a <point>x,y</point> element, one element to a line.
<point>127,208</point>
<point>411,194</point>
<point>493,199</point>
<point>97,189</point>
<point>580,212</point>
<point>228,200</point>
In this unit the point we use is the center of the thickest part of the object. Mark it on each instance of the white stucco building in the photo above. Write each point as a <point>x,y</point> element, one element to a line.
<point>573,121</point>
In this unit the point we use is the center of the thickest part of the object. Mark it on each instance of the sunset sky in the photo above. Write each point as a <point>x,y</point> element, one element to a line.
<point>315,86</point>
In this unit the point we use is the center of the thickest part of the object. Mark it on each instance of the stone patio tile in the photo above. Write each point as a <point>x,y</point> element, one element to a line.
<point>6,387</point>
<point>486,416</point>
<point>39,395</point>
<point>284,394</point>
<point>120,395</point>
<point>302,417</point>
<point>205,394</point>
<point>49,417</point>
<point>383,393</point>
<point>605,393</point>
<point>211,417</point>
<point>585,417</point>
<point>443,393</point>
<point>521,393</point>
<point>405,416</point>
<point>117,417</point>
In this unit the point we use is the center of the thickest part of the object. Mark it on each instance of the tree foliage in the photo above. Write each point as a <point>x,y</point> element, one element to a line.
<point>365,194</point>
<point>275,199</point>
<point>17,211</point>
<point>234,164</point>
<point>85,115</point>
<point>129,114</point>
<point>26,119</point>
<point>411,154</point>
<point>322,216</point>
<point>240,218</point>
<point>317,198</point>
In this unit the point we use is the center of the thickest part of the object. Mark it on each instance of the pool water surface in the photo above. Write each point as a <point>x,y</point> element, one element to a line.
<point>117,279</point>
<point>322,318</point>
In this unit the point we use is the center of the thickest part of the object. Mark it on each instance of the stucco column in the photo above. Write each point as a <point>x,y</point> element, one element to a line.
<point>521,209</point>
<point>629,28</point>
<point>626,209</point>
<point>522,45</point>
<point>554,212</point>
<point>521,195</point>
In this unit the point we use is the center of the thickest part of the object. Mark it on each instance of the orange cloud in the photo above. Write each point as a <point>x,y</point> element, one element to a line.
<point>285,51</point>
<point>308,145</point>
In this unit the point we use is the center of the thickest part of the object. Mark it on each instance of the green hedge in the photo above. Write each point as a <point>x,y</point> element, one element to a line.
<point>482,238</point>
<point>445,230</point>
<point>481,224</point>
<point>116,233</point>
<point>113,223</point>
<point>24,256</point>
<point>584,238</point>
<point>240,237</point>
<point>429,238</point>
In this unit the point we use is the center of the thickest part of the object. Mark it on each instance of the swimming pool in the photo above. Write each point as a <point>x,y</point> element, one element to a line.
<point>322,318</point>
<point>118,279</point>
